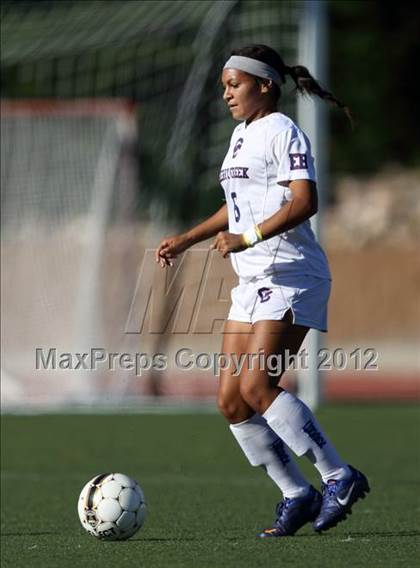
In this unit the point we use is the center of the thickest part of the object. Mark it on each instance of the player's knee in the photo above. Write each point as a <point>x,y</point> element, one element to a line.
<point>230,408</point>
<point>253,395</point>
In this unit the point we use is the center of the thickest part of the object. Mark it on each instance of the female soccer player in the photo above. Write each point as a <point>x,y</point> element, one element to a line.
<point>268,178</point>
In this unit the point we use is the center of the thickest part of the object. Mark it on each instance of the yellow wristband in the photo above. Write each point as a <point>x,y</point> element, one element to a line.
<point>252,236</point>
<point>247,240</point>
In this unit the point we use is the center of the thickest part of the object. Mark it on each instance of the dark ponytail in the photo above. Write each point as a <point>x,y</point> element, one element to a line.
<point>307,85</point>
<point>304,82</point>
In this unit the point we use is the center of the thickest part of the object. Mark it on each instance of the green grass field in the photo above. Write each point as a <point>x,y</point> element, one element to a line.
<point>206,503</point>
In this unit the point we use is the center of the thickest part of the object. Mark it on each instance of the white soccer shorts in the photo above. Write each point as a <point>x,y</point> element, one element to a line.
<point>267,299</point>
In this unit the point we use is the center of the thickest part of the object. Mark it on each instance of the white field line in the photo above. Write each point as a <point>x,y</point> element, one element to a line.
<point>144,480</point>
<point>145,407</point>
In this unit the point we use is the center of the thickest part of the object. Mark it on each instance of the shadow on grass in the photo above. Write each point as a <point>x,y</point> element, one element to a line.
<point>351,535</point>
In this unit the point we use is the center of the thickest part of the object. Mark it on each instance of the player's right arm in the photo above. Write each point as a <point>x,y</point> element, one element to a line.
<point>170,247</point>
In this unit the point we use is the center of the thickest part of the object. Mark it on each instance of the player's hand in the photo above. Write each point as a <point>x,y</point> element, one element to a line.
<point>170,248</point>
<point>226,243</point>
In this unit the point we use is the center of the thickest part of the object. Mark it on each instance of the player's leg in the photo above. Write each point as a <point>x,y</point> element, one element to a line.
<point>300,508</point>
<point>291,419</point>
<point>259,443</point>
<point>283,411</point>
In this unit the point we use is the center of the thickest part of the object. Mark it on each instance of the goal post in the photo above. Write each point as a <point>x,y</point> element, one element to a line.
<point>311,115</point>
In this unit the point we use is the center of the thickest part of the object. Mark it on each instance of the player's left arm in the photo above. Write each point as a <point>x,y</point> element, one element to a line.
<point>302,206</point>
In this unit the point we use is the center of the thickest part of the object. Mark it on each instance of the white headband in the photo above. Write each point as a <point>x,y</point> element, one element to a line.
<point>254,67</point>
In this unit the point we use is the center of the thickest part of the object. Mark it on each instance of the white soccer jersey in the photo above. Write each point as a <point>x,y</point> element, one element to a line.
<point>269,151</point>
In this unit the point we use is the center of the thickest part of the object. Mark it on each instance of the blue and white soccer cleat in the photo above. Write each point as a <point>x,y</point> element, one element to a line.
<point>292,514</point>
<point>338,498</point>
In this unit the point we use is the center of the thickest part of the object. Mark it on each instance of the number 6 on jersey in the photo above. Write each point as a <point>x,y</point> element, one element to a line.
<point>236,210</point>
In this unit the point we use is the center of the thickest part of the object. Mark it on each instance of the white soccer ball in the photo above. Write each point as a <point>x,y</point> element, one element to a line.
<point>112,506</point>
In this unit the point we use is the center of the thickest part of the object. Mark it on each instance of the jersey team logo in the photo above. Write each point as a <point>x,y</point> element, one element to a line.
<point>237,147</point>
<point>298,161</point>
<point>264,294</point>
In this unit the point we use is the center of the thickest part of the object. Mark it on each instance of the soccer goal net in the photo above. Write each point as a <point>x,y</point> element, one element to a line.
<point>113,132</point>
<point>68,180</point>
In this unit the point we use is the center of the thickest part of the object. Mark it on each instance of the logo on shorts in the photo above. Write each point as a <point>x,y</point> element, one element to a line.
<point>264,294</point>
<point>237,147</point>
<point>298,162</point>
